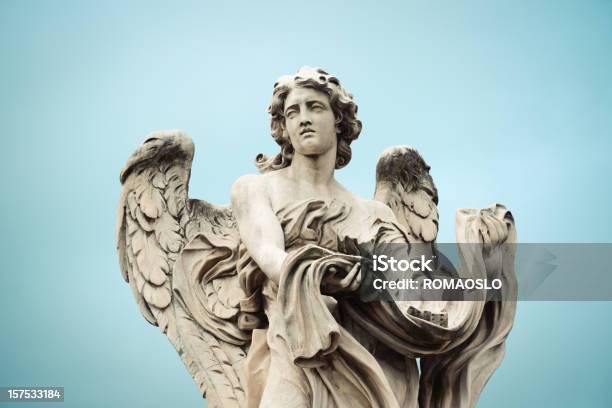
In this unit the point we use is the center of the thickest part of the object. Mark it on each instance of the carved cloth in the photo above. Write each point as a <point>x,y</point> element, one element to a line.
<point>317,351</point>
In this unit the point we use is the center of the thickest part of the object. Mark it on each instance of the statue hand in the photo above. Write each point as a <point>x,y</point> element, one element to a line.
<point>494,225</point>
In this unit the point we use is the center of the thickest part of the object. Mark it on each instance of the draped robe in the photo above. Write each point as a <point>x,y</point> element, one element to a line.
<point>310,349</point>
<point>319,351</point>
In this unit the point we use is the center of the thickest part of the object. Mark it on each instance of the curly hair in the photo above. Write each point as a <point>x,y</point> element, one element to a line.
<point>341,101</point>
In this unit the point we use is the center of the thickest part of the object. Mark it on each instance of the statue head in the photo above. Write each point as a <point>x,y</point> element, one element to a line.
<point>344,110</point>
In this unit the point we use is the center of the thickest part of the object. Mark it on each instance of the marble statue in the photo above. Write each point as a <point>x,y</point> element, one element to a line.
<point>258,297</point>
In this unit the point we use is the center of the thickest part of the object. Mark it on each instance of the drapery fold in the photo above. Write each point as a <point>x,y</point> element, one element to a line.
<point>324,352</point>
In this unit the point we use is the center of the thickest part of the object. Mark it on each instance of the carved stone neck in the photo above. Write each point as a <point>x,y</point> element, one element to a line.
<point>314,170</point>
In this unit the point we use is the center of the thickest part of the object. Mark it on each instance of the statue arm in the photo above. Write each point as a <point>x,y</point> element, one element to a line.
<point>259,228</point>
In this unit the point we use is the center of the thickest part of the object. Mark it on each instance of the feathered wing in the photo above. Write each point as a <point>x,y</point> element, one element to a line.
<point>151,221</point>
<point>403,183</point>
<point>179,257</point>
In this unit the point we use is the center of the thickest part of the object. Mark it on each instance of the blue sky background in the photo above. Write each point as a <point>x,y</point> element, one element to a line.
<point>507,101</point>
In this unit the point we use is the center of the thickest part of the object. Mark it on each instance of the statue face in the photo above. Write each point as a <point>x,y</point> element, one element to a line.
<point>310,121</point>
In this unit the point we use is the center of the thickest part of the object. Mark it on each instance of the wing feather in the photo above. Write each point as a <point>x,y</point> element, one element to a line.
<point>151,202</point>
<point>167,233</point>
<point>150,258</point>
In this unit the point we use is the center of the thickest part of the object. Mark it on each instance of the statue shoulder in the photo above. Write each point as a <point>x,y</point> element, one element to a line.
<point>248,188</point>
<point>255,184</point>
<point>245,183</point>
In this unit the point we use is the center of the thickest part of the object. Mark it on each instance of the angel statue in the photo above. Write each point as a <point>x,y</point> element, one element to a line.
<point>259,298</point>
